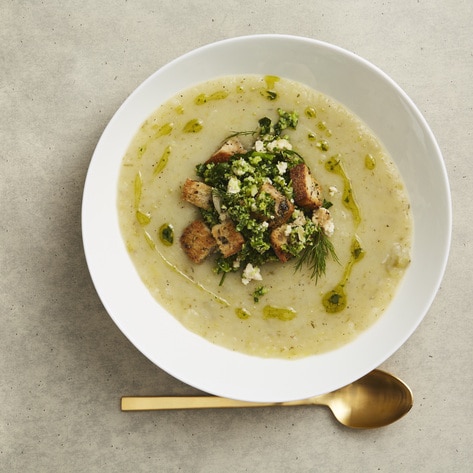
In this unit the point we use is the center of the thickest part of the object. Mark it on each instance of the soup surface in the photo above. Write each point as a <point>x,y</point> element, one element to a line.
<point>370,211</point>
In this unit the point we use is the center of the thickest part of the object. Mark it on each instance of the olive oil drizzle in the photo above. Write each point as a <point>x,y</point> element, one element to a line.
<point>348,198</point>
<point>370,162</point>
<point>335,300</point>
<point>138,188</point>
<point>271,81</point>
<point>165,129</point>
<point>269,93</point>
<point>142,218</point>
<point>166,234</point>
<point>242,314</point>
<point>193,126</point>
<point>163,160</point>
<point>219,299</point>
<point>202,99</point>
<point>281,313</point>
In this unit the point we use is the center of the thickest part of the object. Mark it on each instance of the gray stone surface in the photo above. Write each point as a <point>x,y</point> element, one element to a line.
<point>65,67</point>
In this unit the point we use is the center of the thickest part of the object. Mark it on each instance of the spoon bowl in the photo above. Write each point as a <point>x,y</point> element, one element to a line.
<point>375,400</point>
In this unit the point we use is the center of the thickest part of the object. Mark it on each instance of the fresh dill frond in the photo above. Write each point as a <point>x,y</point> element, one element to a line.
<point>315,255</point>
<point>241,133</point>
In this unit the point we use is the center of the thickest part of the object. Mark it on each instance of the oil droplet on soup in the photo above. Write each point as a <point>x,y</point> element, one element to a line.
<point>193,126</point>
<point>163,160</point>
<point>280,313</point>
<point>204,98</point>
<point>166,234</point>
<point>370,162</point>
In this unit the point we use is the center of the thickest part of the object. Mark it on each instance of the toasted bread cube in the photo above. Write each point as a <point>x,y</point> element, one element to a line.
<point>283,207</point>
<point>278,238</point>
<point>307,192</point>
<point>228,239</point>
<point>226,151</point>
<point>197,241</point>
<point>197,193</point>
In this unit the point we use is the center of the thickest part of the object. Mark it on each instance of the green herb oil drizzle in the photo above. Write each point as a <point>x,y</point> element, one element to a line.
<point>163,130</point>
<point>348,198</point>
<point>143,218</point>
<point>193,126</point>
<point>269,93</point>
<point>219,299</point>
<point>161,164</point>
<point>242,314</point>
<point>336,299</point>
<point>141,151</point>
<point>310,112</point>
<point>138,187</point>
<point>281,313</point>
<point>166,234</point>
<point>370,162</point>
<point>204,98</point>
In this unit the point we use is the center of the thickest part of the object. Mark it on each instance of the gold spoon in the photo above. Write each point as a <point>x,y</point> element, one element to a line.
<point>375,400</point>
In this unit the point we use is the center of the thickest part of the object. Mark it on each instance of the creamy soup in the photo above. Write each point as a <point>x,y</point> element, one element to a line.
<point>370,211</point>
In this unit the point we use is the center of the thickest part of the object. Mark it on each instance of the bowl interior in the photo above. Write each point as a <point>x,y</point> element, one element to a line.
<point>384,107</point>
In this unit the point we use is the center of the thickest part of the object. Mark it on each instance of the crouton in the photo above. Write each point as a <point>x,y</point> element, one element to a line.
<point>307,192</point>
<point>197,241</point>
<point>323,219</point>
<point>283,207</point>
<point>278,238</point>
<point>226,151</point>
<point>197,193</point>
<point>228,239</point>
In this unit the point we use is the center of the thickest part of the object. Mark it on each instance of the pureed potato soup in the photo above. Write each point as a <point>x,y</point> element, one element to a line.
<point>276,309</point>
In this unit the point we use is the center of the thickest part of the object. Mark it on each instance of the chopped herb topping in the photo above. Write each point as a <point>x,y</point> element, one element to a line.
<point>261,205</point>
<point>259,292</point>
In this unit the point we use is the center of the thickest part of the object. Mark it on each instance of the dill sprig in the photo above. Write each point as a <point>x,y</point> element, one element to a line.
<point>315,255</point>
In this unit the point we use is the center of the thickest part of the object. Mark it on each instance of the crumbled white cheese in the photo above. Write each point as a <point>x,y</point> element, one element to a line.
<point>329,228</point>
<point>280,143</point>
<point>332,190</point>
<point>217,202</point>
<point>300,232</point>
<point>323,218</point>
<point>287,230</point>
<point>298,217</point>
<point>259,146</point>
<point>282,167</point>
<point>251,273</point>
<point>218,207</point>
<point>233,186</point>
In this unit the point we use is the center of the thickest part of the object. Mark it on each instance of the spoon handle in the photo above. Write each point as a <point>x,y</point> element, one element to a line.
<point>152,403</point>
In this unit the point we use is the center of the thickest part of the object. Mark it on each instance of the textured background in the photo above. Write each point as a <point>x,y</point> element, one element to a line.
<point>65,67</point>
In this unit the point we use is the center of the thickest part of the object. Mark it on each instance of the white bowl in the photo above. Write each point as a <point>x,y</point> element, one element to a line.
<point>377,100</point>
